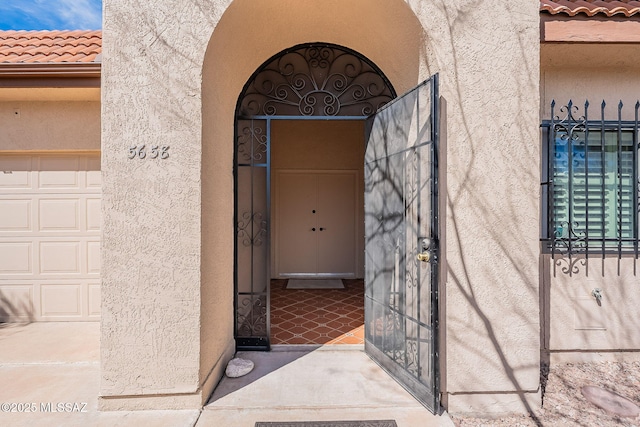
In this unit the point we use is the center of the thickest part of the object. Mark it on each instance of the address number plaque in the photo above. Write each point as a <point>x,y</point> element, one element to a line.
<point>156,152</point>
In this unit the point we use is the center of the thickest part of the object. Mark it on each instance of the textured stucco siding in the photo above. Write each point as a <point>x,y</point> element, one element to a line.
<point>576,323</point>
<point>152,207</point>
<point>50,125</point>
<point>489,65</point>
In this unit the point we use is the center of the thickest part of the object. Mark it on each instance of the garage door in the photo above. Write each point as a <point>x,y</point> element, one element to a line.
<point>50,237</point>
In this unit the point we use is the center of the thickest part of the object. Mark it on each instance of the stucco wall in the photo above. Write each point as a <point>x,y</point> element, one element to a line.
<point>595,72</point>
<point>575,326</point>
<point>51,125</point>
<point>490,75</point>
<point>152,252</point>
<point>169,78</point>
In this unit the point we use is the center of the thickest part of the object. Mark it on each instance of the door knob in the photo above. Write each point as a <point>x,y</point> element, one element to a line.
<point>424,256</point>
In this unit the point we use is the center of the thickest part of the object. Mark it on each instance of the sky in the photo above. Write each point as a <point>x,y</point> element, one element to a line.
<point>50,14</point>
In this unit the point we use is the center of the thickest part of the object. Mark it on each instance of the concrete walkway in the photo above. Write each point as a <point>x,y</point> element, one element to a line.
<point>294,383</point>
<point>59,362</point>
<point>51,363</point>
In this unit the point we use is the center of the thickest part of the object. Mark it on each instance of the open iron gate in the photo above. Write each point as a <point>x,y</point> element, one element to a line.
<point>310,81</point>
<point>401,241</point>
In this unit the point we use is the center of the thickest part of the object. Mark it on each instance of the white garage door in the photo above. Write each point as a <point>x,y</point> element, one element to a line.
<point>50,237</point>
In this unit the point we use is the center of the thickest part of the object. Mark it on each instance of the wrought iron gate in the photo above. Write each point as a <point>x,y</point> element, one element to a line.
<point>401,241</point>
<point>310,81</point>
<point>253,176</point>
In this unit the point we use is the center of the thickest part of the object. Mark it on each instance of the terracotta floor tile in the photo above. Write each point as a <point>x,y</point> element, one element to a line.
<point>350,340</point>
<point>353,324</point>
<point>311,335</point>
<point>335,324</point>
<point>298,330</point>
<point>317,316</point>
<point>323,330</point>
<point>358,332</point>
<point>283,336</point>
<point>286,325</point>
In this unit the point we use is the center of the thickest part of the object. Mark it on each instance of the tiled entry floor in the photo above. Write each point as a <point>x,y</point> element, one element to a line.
<point>317,316</point>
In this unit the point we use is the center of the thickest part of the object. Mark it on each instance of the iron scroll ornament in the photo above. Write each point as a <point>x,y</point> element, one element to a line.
<point>569,237</point>
<point>316,80</point>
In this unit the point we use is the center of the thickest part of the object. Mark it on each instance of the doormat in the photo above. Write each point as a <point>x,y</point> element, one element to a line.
<point>369,423</point>
<point>315,284</point>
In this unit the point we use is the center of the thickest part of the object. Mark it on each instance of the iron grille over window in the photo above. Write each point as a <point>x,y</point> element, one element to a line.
<point>590,183</point>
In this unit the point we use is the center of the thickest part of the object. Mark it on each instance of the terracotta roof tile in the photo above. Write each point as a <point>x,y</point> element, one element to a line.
<point>50,46</point>
<point>609,8</point>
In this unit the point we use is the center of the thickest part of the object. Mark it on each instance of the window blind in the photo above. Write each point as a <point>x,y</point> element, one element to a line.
<point>593,187</point>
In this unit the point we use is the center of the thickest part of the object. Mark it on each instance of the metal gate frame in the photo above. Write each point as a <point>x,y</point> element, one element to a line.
<point>387,337</point>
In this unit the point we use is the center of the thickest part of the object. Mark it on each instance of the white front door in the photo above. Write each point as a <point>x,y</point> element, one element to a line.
<point>316,223</point>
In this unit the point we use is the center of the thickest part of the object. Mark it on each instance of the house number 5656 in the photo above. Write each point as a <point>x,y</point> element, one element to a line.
<point>156,152</point>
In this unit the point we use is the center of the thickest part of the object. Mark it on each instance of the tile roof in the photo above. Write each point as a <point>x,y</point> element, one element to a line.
<point>608,8</point>
<point>50,46</point>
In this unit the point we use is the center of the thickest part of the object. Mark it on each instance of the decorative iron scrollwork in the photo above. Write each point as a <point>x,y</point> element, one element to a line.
<point>251,142</point>
<point>252,229</point>
<point>316,80</point>
<point>569,264</point>
<point>568,237</point>
<point>252,316</point>
<point>567,243</point>
<point>569,123</point>
<point>412,362</point>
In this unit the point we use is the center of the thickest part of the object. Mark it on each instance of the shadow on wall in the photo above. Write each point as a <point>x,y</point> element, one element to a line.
<point>14,311</point>
<point>486,189</point>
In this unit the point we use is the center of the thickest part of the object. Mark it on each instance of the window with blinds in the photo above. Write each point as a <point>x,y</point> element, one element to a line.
<point>593,201</point>
<point>590,182</point>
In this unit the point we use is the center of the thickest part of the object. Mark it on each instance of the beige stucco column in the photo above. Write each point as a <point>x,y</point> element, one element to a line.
<point>172,73</point>
<point>152,251</point>
<point>488,56</point>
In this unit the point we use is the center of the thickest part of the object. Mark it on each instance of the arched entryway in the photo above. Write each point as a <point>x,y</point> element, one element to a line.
<point>231,59</point>
<point>299,141</point>
<point>395,171</point>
